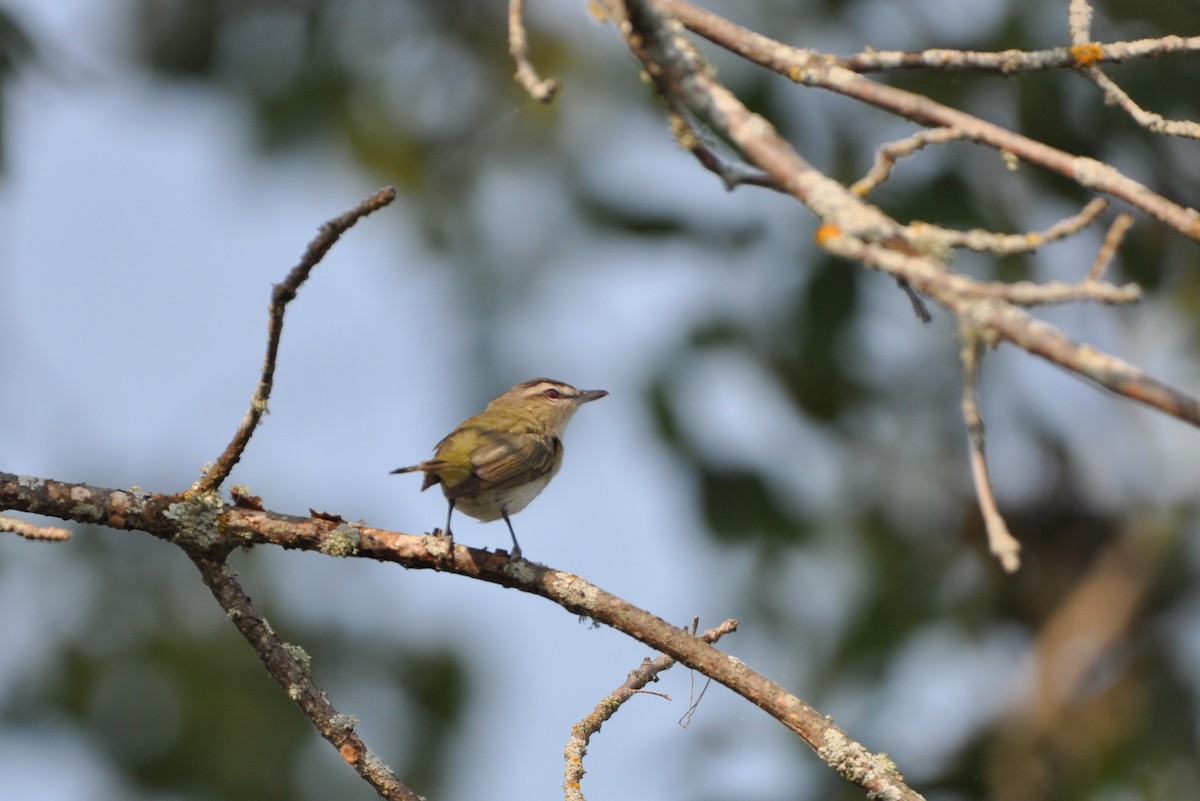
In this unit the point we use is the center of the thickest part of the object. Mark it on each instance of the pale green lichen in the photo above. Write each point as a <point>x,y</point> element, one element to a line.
<point>200,518</point>
<point>30,482</point>
<point>344,722</point>
<point>342,541</point>
<point>300,655</point>
<point>574,591</point>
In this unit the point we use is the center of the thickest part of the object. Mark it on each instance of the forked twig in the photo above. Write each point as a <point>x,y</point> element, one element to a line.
<point>1087,57</point>
<point>648,671</point>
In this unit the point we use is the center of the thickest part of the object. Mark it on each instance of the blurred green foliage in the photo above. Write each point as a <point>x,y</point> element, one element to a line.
<point>409,90</point>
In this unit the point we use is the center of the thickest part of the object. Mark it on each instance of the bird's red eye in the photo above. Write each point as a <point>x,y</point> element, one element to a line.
<point>552,394</point>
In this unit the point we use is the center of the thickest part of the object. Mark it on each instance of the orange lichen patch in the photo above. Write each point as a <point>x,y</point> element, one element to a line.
<point>349,753</point>
<point>1087,54</point>
<point>827,232</point>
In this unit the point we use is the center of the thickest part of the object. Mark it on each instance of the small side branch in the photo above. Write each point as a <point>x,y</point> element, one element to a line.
<point>1003,545</point>
<point>581,732</point>
<point>732,175</point>
<point>30,531</point>
<point>1112,241</point>
<point>541,90</point>
<point>283,294</point>
<point>1009,62</point>
<point>1088,55</point>
<point>287,665</point>
<point>892,152</point>
<point>1008,244</point>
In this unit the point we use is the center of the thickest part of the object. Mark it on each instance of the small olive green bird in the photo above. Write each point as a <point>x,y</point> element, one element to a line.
<point>496,462</point>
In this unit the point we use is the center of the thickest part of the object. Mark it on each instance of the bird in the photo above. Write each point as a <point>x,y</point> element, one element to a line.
<point>493,464</point>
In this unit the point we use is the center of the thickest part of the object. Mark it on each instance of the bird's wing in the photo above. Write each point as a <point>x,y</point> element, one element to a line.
<point>502,459</point>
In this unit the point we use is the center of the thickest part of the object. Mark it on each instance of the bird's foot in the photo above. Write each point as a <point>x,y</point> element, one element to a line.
<point>440,544</point>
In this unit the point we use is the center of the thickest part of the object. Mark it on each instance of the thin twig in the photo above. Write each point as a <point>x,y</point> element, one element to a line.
<point>283,294</point>
<point>1079,21</point>
<point>581,732</point>
<point>1010,62</point>
<point>889,154</point>
<point>732,175</point>
<point>284,663</point>
<point>1001,542</point>
<point>1112,240</point>
<point>541,90</point>
<point>30,531</point>
<point>1008,244</point>
<point>1030,293</point>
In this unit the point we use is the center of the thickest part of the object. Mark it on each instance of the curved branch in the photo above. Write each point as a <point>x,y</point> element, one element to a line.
<point>541,90</point>
<point>204,526</point>
<point>281,296</point>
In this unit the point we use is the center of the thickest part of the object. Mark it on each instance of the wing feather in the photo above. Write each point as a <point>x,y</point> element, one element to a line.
<point>504,459</point>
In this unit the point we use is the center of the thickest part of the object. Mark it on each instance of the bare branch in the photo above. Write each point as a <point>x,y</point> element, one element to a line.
<point>1008,244</point>
<point>732,175</point>
<point>1079,21</point>
<point>220,528</point>
<point>1112,241</point>
<point>1004,321</point>
<point>283,294</point>
<point>30,531</point>
<point>890,153</point>
<point>287,665</point>
<point>581,732</point>
<point>1003,545</point>
<point>1088,55</point>
<point>1009,62</point>
<point>1030,293</point>
<point>814,69</point>
<point>543,91</point>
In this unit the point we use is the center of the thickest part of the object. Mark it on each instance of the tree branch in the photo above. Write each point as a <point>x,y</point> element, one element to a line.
<point>541,90</point>
<point>638,678</point>
<point>207,529</point>
<point>288,665</point>
<point>283,294</point>
<point>815,69</point>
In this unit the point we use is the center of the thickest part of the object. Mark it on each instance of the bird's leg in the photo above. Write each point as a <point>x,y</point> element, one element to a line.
<point>447,534</point>
<point>516,551</point>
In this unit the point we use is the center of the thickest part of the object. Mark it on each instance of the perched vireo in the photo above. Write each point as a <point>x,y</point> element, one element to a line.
<point>496,462</point>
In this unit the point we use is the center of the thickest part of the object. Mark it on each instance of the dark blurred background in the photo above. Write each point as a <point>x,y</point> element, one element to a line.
<point>783,442</point>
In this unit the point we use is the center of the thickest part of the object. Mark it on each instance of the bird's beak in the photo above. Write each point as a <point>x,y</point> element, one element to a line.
<point>586,395</point>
